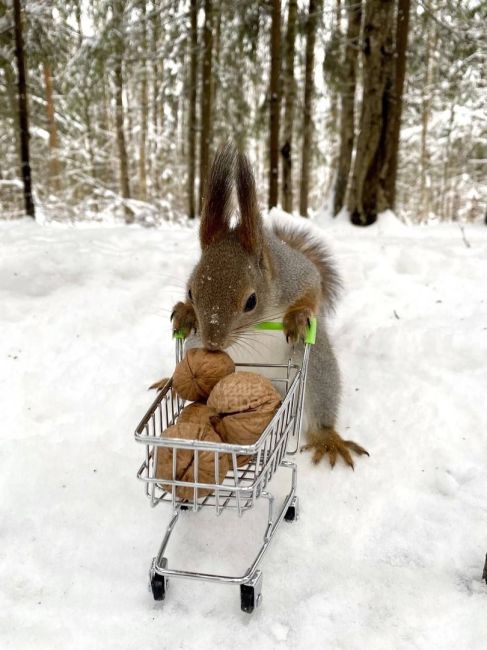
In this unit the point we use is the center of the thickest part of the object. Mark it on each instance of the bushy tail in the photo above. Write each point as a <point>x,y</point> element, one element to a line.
<point>316,251</point>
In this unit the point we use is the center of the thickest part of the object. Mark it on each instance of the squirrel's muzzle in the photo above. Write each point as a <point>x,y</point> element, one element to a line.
<point>212,345</point>
<point>214,336</point>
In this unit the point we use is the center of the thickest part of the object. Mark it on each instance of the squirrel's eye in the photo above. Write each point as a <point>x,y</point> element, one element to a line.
<point>190,295</point>
<point>251,302</point>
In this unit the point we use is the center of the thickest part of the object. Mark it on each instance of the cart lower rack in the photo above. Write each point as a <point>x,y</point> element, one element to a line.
<point>243,483</point>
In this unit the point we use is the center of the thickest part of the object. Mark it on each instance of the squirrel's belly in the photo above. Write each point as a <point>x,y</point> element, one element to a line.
<point>261,347</point>
<point>269,348</point>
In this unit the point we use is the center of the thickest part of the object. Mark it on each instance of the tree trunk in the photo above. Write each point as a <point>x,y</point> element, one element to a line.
<point>143,110</point>
<point>154,19</point>
<point>443,205</point>
<point>193,78</point>
<point>389,170</point>
<point>54,167</point>
<point>128,117</point>
<point>11,87</point>
<point>118,8</point>
<point>315,7</point>
<point>333,78</point>
<point>426,92</point>
<point>217,18</point>
<point>105,116</point>
<point>289,101</point>
<point>206,104</point>
<point>23,112</point>
<point>275,100</point>
<point>86,104</point>
<point>347,124</point>
<point>364,199</point>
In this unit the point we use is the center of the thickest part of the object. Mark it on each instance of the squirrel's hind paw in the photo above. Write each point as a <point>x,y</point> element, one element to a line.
<point>328,441</point>
<point>159,385</point>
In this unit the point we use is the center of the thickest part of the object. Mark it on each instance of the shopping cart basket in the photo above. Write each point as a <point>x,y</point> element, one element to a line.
<point>243,483</point>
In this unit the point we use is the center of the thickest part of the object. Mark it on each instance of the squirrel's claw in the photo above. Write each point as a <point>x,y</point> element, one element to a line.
<point>296,324</point>
<point>328,441</point>
<point>159,385</point>
<point>183,318</point>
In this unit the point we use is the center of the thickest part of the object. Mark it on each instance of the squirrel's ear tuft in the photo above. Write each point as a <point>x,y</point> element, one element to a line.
<point>249,230</point>
<point>217,203</point>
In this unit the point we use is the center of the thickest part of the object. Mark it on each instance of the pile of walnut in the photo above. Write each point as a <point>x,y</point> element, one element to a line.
<point>228,406</point>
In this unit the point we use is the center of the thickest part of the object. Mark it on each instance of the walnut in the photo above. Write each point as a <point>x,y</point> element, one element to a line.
<point>195,376</point>
<point>185,460</point>
<point>245,403</point>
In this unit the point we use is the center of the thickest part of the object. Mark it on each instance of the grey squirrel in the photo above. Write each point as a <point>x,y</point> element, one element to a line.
<point>249,273</point>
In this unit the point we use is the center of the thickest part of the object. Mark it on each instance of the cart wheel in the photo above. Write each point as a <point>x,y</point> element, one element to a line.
<point>292,513</point>
<point>158,586</point>
<point>251,594</point>
<point>158,582</point>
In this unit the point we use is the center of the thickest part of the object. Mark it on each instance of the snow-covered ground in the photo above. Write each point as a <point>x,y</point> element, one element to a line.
<point>388,556</point>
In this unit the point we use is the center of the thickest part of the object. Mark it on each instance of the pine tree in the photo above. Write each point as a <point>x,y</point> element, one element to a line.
<point>394,110</point>
<point>144,106</point>
<point>274,102</point>
<point>23,112</point>
<point>289,102</point>
<point>206,99</point>
<point>193,89</point>
<point>364,201</point>
<point>315,8</point>
<point>118,20</point>
<point>347,115</point>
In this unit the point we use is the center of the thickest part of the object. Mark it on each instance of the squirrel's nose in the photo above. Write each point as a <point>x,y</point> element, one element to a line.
<point>211,345</point>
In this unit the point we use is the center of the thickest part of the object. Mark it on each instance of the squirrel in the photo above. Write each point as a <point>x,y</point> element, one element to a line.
<point>249,273</point>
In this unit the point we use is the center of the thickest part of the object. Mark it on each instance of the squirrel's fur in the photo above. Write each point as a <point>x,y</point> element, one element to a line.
<point>249,273</point>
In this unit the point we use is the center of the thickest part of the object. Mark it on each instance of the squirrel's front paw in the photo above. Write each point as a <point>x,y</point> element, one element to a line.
<point>327,441</point>
<point>296,324</point>
<point>183,318</point>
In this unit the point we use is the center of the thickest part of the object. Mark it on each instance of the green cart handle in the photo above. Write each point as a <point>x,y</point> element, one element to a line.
<point>274,325</point>
<point>277,325</point>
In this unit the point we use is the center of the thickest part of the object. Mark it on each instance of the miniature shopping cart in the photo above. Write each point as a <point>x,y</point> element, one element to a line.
<point>243,483</point>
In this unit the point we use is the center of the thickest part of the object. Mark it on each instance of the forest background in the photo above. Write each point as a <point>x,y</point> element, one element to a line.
<point>112,109</point>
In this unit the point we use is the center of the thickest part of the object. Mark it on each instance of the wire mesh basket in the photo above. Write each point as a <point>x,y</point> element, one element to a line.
<point>251,466</point>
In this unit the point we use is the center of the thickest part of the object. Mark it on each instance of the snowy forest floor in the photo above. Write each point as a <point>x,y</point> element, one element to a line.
<point>387,556</point>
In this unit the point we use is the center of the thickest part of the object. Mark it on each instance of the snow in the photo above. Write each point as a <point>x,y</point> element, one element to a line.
<point>387,556</point>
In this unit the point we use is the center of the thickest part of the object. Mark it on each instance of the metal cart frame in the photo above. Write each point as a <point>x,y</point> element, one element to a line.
<point>243,484</point>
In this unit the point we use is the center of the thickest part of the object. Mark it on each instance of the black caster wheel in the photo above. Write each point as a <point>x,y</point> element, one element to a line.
<point>292,513</point>
<point>158,583</point>
<point>251,594</point>
<point>158,587</point>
